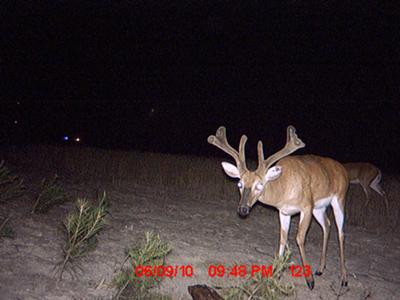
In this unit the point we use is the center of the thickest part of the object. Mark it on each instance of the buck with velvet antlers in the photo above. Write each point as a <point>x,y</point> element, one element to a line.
<point>305,184</point>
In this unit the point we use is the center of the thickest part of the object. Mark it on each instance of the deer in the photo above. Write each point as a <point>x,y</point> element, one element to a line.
<point>305,184</point>
<point>369,177</point>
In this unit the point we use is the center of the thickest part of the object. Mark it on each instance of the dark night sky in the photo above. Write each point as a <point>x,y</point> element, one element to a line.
<point>162,77</point>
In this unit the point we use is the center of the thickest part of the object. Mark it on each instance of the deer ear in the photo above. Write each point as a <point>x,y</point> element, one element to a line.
<point>273,173</point>
<point>231,170</point>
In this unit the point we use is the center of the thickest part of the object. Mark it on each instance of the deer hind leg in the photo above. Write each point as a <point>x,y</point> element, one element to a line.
<point>305,220</point>
<point>285,225</point>
<point>375,185</point>
<point>366,192</point>
<point>338,210</point>
<point>320,215</point>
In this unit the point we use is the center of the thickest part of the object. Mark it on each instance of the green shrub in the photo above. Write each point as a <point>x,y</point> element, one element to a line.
<point>267,287</point>
<point>51,193</point>
<point>150,253</point>
<point>81,227</point>
<point>11,186</point>
<point>5,230</point>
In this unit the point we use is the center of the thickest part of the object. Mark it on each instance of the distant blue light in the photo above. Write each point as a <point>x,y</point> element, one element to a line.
<point>65,138</point>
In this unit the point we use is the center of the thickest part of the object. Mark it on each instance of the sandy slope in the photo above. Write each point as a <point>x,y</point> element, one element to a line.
<point>202,232</point>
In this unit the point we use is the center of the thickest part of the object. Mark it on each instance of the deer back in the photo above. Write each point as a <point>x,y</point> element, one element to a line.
<point>305,178</point>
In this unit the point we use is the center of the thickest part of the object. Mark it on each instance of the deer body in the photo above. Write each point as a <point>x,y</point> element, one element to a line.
<point>369,177</point>
<point>311,178</point>
<point>315,183</point>
<point>305,184</point>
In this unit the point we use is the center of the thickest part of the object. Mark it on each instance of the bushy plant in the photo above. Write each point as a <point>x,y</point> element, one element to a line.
<point>259,287</point>
<point>51,193</point>
<point>11,186</point>
<point>150,253</point>
<point>81,228</point>
<point>5,230</point>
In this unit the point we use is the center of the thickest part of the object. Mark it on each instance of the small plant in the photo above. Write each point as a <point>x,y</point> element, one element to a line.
<point>151,253</point>
<point>11,186</point>
<point>51,193</point>
<point>259,287</point>
<point>81,227</point>
<point>5,230</point>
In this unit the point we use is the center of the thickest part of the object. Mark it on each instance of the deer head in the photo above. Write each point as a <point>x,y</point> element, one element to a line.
<point>251,183</point>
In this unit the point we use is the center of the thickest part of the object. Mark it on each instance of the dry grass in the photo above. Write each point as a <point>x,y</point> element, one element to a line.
<point>202,177</point>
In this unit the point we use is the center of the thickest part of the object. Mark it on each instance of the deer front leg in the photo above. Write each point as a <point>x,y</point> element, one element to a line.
<point>322,219</point>
<point>305,220</point>
<point>285,225</point>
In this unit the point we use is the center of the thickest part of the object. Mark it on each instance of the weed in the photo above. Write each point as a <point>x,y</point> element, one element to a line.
<point>51,193</point>
<point>5,230</point>
<point>150,253</point>
<point>11,186</point>
<point>259,287</point>
<point>81,227</point>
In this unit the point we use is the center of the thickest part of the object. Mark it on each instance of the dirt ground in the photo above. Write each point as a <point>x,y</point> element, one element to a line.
<point>201,233</point>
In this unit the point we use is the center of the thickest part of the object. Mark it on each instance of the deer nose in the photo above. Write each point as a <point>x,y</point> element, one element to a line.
<point>243,211</point>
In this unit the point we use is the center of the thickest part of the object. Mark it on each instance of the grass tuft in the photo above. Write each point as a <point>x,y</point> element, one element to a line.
<point>152,252</point>
<point>267,287</point>
<point>5,230</point>
<point>81,227</point>
<point>11,186</point>
<point>51,193</point>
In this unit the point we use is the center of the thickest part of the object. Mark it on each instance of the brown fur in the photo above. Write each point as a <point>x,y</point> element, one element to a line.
<point>311,178</point>
<point>366,174</point>
<point>297,184</point>
<point>304,180</point>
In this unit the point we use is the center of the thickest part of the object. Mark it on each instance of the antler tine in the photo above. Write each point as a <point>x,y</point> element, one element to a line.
<point>292,139</point>
<point>242,155</point>
<point>293,143</point>
<point>219,140</point>
<point>260,152</point>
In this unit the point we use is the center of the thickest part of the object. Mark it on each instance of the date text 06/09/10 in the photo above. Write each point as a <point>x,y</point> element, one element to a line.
<point>164,271</point>
<point>218,271</point>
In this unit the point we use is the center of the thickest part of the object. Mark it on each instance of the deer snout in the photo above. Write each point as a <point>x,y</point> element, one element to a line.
<point>243,211</point>
<point>244,208</point>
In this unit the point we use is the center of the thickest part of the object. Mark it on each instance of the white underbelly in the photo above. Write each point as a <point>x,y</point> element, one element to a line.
<point>323,202</point>
<point>289,210</point>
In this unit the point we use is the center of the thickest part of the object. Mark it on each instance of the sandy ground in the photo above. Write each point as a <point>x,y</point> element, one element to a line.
<point>201,233</point>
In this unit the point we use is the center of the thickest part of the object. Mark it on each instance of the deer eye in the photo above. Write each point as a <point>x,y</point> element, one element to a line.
<point>259,187</point>
<point>240,184</point>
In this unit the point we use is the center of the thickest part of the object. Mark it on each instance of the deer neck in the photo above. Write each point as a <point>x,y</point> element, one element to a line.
<point>271,194</point>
